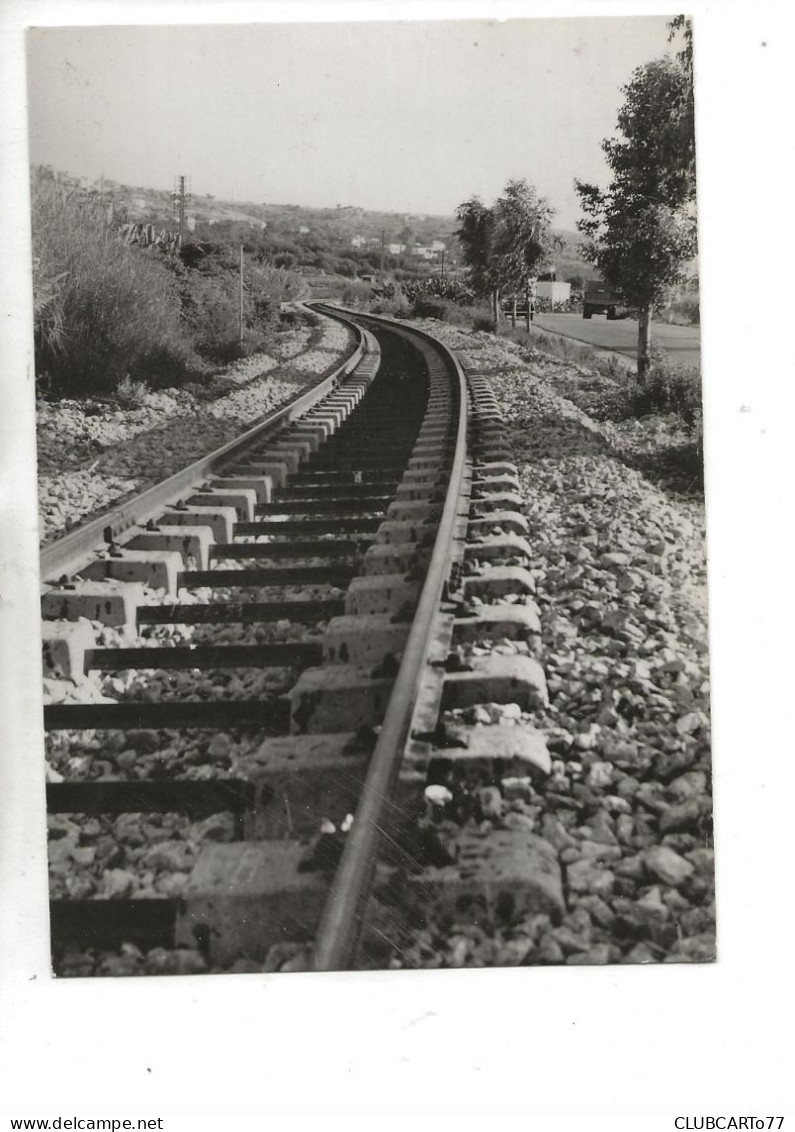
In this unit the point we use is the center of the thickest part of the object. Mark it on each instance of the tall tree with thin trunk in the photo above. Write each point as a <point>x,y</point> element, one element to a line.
<point>506,246</point>
<point>475,232</point>
<point>641,230</point>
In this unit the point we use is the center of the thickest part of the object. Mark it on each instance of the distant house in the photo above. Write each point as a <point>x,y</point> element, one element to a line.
<point>396,249</point>
<point>437,246</point>
<point>303,230</point>
<point>358,242</point>
<point>555,292</point>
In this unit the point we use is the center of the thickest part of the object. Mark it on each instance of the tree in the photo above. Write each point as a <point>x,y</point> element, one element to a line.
<point>407,235</point>
<point>523,239</point>
<point>475,236</point>
<point>505,246</point>
<point>641,230</point>
<point>686,108</point>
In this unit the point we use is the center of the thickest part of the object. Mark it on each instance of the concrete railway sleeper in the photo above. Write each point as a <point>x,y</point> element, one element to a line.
<point>251,757</point>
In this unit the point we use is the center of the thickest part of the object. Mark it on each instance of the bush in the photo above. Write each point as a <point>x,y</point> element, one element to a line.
<point>669,389</point>
<point>484,321</point>
<point>684,311</point>
<point>167,365</point>
<point>130,394</point>
<point>99,306</point>
<point>429,306</point>
<point>104,310</point>
<point>211,315</point>
<point>395,304</point>
<point>355,293</point>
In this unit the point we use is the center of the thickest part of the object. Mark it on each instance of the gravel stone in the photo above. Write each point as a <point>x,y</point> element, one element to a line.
<point>92,454</point>
<point>595,956</point>
<point>664,863</point>
<point>584,876</point>
<point>693,949</point>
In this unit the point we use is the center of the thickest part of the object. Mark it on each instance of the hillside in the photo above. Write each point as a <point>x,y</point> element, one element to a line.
<point>340,239</point>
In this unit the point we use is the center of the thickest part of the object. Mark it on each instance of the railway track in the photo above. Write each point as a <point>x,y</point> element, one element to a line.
<point>267,649</point>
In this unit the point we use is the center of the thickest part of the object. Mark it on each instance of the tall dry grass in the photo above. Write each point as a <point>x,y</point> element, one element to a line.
<point>102,310</point>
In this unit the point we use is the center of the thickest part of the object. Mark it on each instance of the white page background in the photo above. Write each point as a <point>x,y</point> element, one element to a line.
<point>700,1039</point>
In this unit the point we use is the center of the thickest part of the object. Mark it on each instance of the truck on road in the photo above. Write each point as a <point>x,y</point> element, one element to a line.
<point>599,299</point>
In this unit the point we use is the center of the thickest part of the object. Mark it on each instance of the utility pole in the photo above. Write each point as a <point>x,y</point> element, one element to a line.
<point>240,320</point>
<point>442,265</point>
<point>180,203</point>
<point>181,210</point>
<point>382,255</point>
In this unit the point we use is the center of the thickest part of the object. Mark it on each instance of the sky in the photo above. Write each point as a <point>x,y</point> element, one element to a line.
<point>405,117</point>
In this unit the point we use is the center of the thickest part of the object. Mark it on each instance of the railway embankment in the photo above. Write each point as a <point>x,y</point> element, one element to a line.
<point>94,453</point>
<point>618,811</point>
<point>620,572</point>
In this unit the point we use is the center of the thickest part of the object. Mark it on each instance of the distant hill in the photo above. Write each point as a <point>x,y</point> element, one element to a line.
<point>343,231</point>
<point>570,263</point>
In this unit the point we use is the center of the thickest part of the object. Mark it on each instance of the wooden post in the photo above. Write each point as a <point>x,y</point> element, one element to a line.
<point>240,318</point>
<point>513,313</point>
<point>495,307</point>
<point>527,314</point>
<point>644,342</point>
<point>181,211</point>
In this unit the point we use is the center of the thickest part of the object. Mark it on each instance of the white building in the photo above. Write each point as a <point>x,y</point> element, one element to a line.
<point>556,292</point>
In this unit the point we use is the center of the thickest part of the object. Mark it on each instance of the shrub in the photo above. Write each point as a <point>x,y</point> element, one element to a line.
<point>429,306</point>
<point>167,365</point>
<point>356,293</point>
<point>433,287</point>
<point>99,306</point>
<point>395,304</point>
<point>104,310</point>
<point>684,311</point>
<point>212,317</point>
<point>669,389</point>
<point>130,394</point>
<point>465,315</point>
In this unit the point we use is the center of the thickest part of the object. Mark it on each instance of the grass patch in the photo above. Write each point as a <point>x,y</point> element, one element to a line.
<point>109,317</point>
<point>130,394</point>
<point>101,309</point>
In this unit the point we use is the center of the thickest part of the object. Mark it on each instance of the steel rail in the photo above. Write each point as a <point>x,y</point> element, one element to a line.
<point>66,555</point>
<point>341,920</point>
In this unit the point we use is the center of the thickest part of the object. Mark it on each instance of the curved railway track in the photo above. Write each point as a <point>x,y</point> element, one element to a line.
<point>329,577</point>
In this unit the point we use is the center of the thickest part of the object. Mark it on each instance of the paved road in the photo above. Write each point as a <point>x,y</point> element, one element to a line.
<point>682,343</point>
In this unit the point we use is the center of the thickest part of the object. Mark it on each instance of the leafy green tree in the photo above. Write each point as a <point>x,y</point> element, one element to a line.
<point>504,247</point>
<point>407,235</point>
<point>524,243</point>
<point>686,107</point>
<point>641,230</point>
<point>476,223</point>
